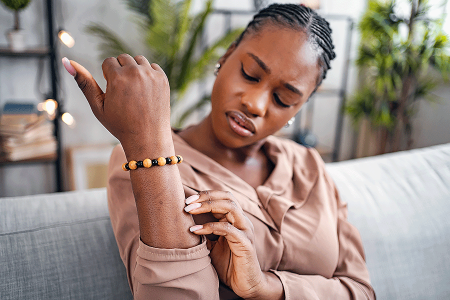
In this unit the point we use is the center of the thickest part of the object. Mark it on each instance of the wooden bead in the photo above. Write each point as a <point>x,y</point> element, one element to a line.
<point>124,168</point>
<point>161,161</point>
<point>147,163</point>
<point>132,165</point>
<point>181,159</point>
<point>174,160</point>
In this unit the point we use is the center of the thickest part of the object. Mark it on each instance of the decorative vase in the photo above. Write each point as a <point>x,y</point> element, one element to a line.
<point>16,40</point>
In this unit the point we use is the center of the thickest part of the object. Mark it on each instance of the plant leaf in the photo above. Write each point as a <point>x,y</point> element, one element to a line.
<point>111,44</point>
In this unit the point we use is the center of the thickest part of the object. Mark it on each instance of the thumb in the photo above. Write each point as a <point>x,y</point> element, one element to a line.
<point>87,85</point>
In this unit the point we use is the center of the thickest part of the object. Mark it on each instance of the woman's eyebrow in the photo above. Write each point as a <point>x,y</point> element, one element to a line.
<point>293,89</point>
<point>267,70</point>
<point>260,62</point>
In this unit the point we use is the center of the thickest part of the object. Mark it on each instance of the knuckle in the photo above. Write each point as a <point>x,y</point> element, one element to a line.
<point>123,55</point>
<point>228,226</point>
<point>201,193</point>
<point>212,226</point>
<point>106,60</point>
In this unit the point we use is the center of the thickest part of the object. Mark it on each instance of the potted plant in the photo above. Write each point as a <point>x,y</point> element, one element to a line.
<point>402,58</point>
<point>173,39</point>
<point>16,35</point>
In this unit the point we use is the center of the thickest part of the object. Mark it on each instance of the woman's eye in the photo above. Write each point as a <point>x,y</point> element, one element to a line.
<point>246,76</point>
<point>279,102</point>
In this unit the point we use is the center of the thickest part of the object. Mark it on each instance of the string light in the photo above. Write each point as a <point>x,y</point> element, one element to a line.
<point>68,119</point>
<point>66,38</point>
<point>49,106</point>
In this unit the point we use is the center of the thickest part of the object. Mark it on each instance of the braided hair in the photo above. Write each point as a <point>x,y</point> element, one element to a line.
<point>298,17</point>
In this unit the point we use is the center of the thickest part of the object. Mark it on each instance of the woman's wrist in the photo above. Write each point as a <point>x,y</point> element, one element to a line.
<point>271,288</point>
<point>151,145</point>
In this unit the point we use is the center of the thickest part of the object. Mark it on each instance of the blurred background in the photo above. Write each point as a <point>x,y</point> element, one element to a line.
<point>387,91</point>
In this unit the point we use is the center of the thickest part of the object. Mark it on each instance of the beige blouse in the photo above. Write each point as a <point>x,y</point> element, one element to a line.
<point>301,229</point>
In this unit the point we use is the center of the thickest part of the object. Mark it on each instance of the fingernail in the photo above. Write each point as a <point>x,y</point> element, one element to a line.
<point>191,199</point>
<point>68,66</point>
<point>195,228</point>
<point>192,206</point>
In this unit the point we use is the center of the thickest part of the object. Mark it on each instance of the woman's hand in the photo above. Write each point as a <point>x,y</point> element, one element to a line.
<point>135,107</point>
<point>233,255</point>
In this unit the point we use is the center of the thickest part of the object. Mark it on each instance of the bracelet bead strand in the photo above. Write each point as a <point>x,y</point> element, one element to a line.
<point>148,163</point>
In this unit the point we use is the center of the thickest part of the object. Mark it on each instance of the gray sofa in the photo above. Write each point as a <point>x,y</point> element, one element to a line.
<point>61,246</point>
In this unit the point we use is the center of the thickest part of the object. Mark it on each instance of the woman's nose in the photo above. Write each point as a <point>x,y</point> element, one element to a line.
<point>256,102</point>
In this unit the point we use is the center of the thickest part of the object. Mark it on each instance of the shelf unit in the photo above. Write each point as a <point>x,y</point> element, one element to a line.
<point>50,53</point>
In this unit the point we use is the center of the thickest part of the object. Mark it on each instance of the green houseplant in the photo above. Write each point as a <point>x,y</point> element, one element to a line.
<point>173,38</point>
<point>402,58</point>
<point>16,36</point>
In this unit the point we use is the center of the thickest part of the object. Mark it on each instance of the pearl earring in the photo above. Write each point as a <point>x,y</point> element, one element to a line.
<point>216,69</point>
<point>290,122</point>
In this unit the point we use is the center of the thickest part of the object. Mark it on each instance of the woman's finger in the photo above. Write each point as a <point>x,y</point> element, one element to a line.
<point>225,229</point>
<point>110,66</point>
<point>126,59</point>
<point>141,60</point>
<point>156,67</point>
<point>222,204</point>
<point>87,85</point>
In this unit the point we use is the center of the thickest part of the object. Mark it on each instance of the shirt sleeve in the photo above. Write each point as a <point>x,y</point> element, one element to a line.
<point>154,273</point>
<point>351,277</point>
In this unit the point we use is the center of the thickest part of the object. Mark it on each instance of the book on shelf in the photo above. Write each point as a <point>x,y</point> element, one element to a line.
<point>17,118</point>
<point>33,150</point>
<point>25,134</point>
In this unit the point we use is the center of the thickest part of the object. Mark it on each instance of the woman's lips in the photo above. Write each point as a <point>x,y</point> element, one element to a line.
<point>240,124</point>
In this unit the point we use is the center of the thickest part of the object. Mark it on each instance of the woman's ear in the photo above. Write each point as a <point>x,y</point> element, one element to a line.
<point>227,54</point>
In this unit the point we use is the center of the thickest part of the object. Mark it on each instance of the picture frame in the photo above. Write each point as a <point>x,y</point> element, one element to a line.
<point>88,166</point>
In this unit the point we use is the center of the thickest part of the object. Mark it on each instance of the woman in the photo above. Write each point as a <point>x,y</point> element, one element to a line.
<point>275,225</point>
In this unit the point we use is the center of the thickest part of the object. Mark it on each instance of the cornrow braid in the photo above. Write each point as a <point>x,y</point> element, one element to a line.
<point>298,17</point>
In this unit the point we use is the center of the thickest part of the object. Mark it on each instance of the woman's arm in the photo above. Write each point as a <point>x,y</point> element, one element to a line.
<point>136,109</point>
<point>163,259</point>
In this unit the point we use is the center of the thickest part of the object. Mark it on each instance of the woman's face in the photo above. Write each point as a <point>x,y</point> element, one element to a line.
<point>262,83</point>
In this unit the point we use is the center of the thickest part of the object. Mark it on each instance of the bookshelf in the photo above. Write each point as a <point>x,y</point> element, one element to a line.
<point>49,52</point>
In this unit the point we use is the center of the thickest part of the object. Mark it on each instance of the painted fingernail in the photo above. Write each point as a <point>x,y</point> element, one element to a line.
<point>68,66</point>
<point>195,228</point>
<point>191,199</point>
<point>192,206</point>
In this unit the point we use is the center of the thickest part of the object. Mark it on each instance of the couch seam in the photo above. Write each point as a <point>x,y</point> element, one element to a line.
<point>55,226</point>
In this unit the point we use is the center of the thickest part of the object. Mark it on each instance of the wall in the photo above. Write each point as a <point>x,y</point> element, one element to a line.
<point>17,79</point>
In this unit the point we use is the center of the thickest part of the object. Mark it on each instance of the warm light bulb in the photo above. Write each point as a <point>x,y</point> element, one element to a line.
<point>66,38</point>
<point>49,106</point>
<point>68,119</point>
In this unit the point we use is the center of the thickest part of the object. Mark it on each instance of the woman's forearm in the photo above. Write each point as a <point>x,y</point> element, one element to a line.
<point>160,197</point>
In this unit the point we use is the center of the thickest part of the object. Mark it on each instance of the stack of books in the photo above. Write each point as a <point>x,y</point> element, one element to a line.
<point>25,133</point>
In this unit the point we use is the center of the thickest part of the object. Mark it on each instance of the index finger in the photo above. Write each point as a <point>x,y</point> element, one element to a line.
<point>223,205</point>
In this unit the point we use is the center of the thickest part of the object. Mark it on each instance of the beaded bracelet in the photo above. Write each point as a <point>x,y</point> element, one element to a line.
<point>147,163</point>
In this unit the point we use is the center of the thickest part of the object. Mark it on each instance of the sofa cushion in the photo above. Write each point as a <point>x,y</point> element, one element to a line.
<point>59,246</point>
<point>401,205</point>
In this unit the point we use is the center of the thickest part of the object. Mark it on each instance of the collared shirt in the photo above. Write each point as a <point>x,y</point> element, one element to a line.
<point>301,230</point>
